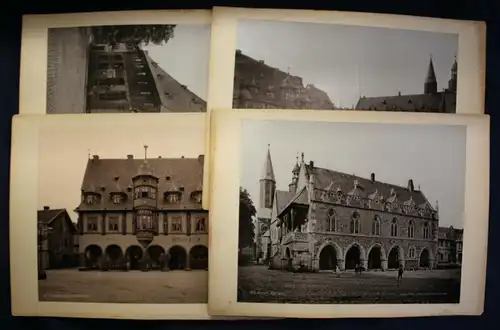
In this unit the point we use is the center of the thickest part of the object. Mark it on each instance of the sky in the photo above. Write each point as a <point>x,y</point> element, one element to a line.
<point>349,61</point>
<point>186,57</point>
<point>433,156</point>
<point>64,154</point>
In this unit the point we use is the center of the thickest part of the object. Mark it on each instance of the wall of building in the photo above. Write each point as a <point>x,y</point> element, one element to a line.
<point>67,59</point>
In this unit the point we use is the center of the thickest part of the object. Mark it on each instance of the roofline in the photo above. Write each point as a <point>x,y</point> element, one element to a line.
<point>292,200</point>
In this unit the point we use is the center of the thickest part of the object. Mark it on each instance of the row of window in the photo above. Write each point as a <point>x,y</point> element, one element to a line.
<point>145,221</point>
<point>146,192</point>
<point>355,226</point>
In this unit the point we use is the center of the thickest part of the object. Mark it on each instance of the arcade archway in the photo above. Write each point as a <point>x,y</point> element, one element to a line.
<point>177,257</point>
<point>92,255</point>
<point>375,258</point>
<point>114,255</point>
<point>424,259</point>
<point>198,257</point>
<point>393,260</point>
<point>353,257</point>
<point>134,256</point>
<point>155,251</point>
<point>328,258</point>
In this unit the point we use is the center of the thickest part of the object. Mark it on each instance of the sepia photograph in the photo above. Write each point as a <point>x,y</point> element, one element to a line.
<point>121,222</point>
<point>364,219</point>
<point>344,67</point>
<point>127,68</point>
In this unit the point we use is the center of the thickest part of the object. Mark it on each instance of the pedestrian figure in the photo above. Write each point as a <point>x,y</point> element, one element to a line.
<point>166,261</point>
<point>161,260</point>
<point>400,275</point>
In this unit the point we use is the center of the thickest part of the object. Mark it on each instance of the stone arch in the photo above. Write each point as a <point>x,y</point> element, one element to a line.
<point>178,257</point>
<point>328,255</point>
<point>425,258</point>
<point>134,255</point>
<point>396,257</point>
<point>155,251</point>
<point>93,253</point>
<point>198,257</point>
<point>288,253</point>
<point>114,256</point>
<point>376,256</point>
<point>355,255</point>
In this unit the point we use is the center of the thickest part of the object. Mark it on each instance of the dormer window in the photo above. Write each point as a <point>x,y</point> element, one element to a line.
<point>91,199</point>
<point>117,198</point>
<point>196,196</point>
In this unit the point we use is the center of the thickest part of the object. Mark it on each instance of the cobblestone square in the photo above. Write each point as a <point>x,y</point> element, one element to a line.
<point>258,284</point>
<point>171,287</point>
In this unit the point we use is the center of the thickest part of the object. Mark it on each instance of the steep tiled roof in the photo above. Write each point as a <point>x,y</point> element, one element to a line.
<point>47,216</point>
<point>105,176</point>
<point>450,233</point>
<point>437,102</point>
<point>282,199</point>
<point>324,177</point>
<point>175,97</point>
<point>257,81</point>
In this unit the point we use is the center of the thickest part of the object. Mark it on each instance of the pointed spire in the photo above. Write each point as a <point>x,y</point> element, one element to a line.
<point>145,152</point>
<point>436,207</point>
<point>431,75</point>
<point>267,171</point>
<point>88,153</point>
<point>296,168</point>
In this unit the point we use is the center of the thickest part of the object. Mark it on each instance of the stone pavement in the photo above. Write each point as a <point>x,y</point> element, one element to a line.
<point>258,284</point>
<point>125,287</point>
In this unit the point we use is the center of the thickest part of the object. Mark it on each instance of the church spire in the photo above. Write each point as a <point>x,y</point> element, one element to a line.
<point>267,171</point>
<point>430,81</point>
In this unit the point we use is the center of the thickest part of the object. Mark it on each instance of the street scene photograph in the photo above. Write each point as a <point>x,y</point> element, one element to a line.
<point>338,217</point>
<point>344,67</point>
<point>122,222</point>
<point>128,68</point>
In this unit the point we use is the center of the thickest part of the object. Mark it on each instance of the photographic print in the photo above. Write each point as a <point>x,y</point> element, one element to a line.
<point>361,219</point>
<point>127,68</point>
<point>344,67</point>
<point>121,222</point>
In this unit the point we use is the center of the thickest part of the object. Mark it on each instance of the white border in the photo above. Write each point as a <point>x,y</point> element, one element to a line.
<point>471,46</point>
<point>23,212</point>
<point>224,206</point>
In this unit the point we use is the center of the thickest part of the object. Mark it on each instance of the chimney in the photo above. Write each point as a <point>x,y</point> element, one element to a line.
<point>372,177</point>
<point>46,208</point>
<point>95,157</point>
<point>201,159</point>
<point>130,156</point>
<point>410,185</point>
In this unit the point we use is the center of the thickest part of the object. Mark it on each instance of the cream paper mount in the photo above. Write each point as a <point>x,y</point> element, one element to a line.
<point>110,135</point>
<point>227,171</point>
<point>33,95</point>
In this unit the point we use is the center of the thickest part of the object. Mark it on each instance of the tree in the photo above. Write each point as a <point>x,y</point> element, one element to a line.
<point>246,226</point>
<point>134,34</point>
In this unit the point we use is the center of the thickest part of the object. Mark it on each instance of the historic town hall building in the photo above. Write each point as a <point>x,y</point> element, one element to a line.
<point>328,219</point>
<point>136,210</point>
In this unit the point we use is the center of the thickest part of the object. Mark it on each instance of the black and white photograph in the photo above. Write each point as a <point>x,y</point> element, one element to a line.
<point>128,68</point>
<point>339,217</point>
<point>344,67</point>
<point>122,222</point>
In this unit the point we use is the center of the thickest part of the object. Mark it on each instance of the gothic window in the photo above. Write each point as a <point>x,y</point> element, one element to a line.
<point>113,223</point>
<point>165,225</point>
<point>176,224</point>
<point>354,227</point>
<point>411,229</point>
<point>394,227</point>
<point>92,224</point>
<point>200,225</point>
<point>117,199</point>
<point>411,252</point>
<point>376,226</point>
<point>426,230</point>
<point>91,199</point>
<point>331,225</point>
<point>145,192</point>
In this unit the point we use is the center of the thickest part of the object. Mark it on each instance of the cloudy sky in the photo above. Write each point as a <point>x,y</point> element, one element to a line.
<point>349,61</point>
<point>186,56</point>
<point>433,156</point>
<point>64,154</point>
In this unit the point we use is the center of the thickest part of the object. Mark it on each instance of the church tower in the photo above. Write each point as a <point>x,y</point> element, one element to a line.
<point>452,83</point>
<point>292,187</point>
<point>145,206</point>
<point>430,86</point>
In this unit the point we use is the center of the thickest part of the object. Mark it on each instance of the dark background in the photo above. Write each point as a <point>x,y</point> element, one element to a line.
<point>10,41</point>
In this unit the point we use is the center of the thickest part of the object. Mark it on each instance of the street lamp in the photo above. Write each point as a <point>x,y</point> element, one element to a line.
<point>43,232</point>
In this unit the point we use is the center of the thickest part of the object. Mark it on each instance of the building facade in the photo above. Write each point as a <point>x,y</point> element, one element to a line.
<point>450,243</point>
<point>328,220</point>
<point>134,212</point>
<point>431,100</point>
<point>260,86</point>
<point>57,239</point>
